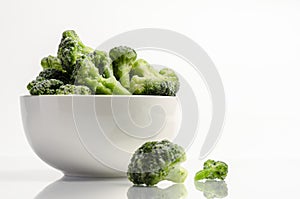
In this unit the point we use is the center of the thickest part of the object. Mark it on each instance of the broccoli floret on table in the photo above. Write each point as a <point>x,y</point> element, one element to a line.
<point>212,170</point>
<point>157,161</point>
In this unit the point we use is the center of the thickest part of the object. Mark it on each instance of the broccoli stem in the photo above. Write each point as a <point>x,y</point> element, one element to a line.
<point>177,174</point>
<point>200,175</point>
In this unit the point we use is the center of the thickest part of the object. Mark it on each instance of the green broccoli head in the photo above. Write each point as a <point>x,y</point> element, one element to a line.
<point>157,161</point>
<point>145,80</point>
<point>71,49</point>
<point>176,191</point>
<point>122,60</point>
<point>103,62</point>
<point>87,74</point>
<point>52,73</point>
<point>51,62</point>
<point>69,89</point>
<point>45,87</point>
<point>213,170</point>
<point>33,82</point>
<point>212,189</point>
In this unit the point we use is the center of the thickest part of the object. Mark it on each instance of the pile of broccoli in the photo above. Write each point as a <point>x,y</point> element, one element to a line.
<point>79,69</point>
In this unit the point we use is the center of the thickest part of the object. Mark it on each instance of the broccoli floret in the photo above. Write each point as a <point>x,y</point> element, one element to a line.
<point>103,62</point>
<point>157,161</point>
<point>212,170</point>
<point>147,81</point>
<point>45,87</point>
<point>176,191</point>
<point>33,82</point>
<point>122,60</point>
<point>212,188</point>
<point>87,74</point>
<point>51,62</point>
<point>71,49</point>
<point>52,73</point>
<point>69,89</point>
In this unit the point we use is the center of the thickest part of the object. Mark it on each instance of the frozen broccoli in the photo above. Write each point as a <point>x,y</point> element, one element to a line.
<point>45,87</point>
<point>69,89</point>
<point>176,191</point>
<point>102,61</point>
<point>33,82</point>
<point>212,170</point>
<point>87,74</point>
<point>51,62</point>
<point>157,161</point>
<point>212,189</point>
<point>147,81</point>
<point>71,49</point>
<point>52,73</point>
<point>122,60</point>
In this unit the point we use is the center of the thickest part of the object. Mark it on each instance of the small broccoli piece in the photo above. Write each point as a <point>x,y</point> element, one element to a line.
<point>45,87</point>
<point>122,60</point>
<point>157,161</point>
<point>212,189</point>
<point>51,62</point>
<point>71,49</point>
<point>102,61</point>
<point>87,74</point>
<point>52,73</point>
<point>147,81</point>
<point>33,82</point>
<point>212,170</point>
<point>176,191</point>
<point>69,89</point>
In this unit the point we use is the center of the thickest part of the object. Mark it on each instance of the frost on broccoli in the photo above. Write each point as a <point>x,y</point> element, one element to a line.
<point>51,62</point>
<point>87,74</point>
<point>69,89</point>
<point>45,87</point>
<point>212,170</point>
<point>157,161</point>
<point>103,62</point>
<point>145,80</point>
<point>71,49</point>
<point>122,60</point>
<point>212,188</point>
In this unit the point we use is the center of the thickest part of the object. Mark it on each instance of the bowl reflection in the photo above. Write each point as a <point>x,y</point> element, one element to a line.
<point>87,188</point>
<point>176,191</point>
<point>112,188</point>
<point>212,188</point>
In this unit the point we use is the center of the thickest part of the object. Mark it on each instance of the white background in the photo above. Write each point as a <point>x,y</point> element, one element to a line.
<point>254,44</point>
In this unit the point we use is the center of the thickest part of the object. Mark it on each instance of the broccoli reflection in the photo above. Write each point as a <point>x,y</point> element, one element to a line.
<point>176,191</point>
<point>212,188</point>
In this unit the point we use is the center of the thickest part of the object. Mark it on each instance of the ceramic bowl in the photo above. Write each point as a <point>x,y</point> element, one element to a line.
<point>96,135</point>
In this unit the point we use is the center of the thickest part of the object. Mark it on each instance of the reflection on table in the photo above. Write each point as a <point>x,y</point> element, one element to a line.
<point>176,191</point>
<point>87,188</point>
<point>212,188</point>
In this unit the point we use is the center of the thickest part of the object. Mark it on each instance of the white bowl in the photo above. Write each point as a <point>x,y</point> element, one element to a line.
<point>95,136</point>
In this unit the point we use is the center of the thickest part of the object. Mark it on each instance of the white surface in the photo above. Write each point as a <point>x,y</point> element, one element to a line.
<point>254,44</point>
<point>251,178</point>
